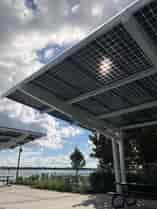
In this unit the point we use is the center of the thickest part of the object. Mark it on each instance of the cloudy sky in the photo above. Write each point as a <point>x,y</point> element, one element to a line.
<point>33,33</point>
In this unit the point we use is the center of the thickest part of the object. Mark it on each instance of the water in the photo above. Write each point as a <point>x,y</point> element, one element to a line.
<point>30,172</point>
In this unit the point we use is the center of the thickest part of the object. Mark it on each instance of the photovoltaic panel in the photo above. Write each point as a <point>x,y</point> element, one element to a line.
<point>25,99</point>
<point>150,84</point>
<point>147,17</point>
<point>108,58</point>
<point>113,56</point>
<point>96,107</point>
<point>11,137</point>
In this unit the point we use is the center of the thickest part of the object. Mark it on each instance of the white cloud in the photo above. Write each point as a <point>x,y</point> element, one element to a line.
<point>24,31</point>
<point>75,8</point>
<point>30,157</point>
<point>57,133</point>
<point>54,161</point>
<point>70,131</point>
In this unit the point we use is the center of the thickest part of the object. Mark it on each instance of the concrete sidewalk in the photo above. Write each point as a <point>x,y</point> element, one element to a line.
<point>22,197</point>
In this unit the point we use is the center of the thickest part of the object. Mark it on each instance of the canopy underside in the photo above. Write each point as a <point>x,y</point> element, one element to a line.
<point>108,81</point>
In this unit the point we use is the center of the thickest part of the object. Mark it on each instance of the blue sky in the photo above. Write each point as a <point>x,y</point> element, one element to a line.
<point>52,150</point>
<point>35,155</point>
<point>33,33</point>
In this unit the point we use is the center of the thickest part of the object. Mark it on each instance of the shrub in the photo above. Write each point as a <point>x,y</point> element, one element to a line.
<point>101,181</point>
<point>57,183</point>
<point>68,185</point>
<point>19,180</point>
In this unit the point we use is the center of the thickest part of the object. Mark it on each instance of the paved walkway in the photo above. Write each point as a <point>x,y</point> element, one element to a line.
<point>22,197</point>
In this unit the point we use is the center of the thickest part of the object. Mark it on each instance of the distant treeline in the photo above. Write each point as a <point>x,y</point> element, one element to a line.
<point>44,168</point>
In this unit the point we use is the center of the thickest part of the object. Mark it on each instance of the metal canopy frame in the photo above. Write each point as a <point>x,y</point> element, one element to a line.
<point>11,137</point>
<point>71,107</point>
<point>75,87</point>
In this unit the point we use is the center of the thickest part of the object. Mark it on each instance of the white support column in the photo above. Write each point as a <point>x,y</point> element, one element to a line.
<point>116,165</point>
<point>97,135</point>
<point>122,161</point>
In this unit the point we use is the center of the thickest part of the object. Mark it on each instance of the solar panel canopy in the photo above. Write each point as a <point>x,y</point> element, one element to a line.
<point>108,80</point>
<point>11,137</point>
<point>14,132</point>
<point>32,27</point>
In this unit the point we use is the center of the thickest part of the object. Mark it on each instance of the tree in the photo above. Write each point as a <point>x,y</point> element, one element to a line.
<point>77,160</point>
<point>102,150</point>
<point>140,146</point>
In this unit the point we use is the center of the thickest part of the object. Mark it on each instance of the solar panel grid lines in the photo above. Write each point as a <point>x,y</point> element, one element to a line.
<point>117,69</point>
<point>144,74</point>
<point>96,107</point>
<point>150,84</point>
<point>79,74</point>
<point>122,37</point>
<point>147,17</point>
<point>96,102</point>
<point>62,91</point>
<point>121,50</point>
<point>138,93</point>
<point>143,41</point>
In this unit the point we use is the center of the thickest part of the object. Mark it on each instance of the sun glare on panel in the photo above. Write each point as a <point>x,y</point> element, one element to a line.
<point>105,66</point>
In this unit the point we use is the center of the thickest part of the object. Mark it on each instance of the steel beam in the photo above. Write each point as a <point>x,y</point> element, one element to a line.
<point>112,86</point>
<point>138,125</point>
<point>129,110</point>
<point>76,114</point>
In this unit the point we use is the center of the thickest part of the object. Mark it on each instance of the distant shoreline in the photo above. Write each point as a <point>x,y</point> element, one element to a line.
<point>44,168</point>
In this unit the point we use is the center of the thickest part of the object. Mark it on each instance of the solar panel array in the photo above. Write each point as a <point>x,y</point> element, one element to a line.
<point>147,17</point>
<point>10,138</point>
<point>109,58</point>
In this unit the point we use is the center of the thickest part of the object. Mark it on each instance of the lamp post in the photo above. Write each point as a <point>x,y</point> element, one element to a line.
<point>18,163</point>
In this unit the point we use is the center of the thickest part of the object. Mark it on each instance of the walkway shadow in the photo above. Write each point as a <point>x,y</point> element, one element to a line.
<point>99,201</point>
<point>102,201</point>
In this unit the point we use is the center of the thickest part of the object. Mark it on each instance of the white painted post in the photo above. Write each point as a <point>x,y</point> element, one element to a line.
<point>122,161</point>
<point>97,135</point>
<point>116,165</point>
